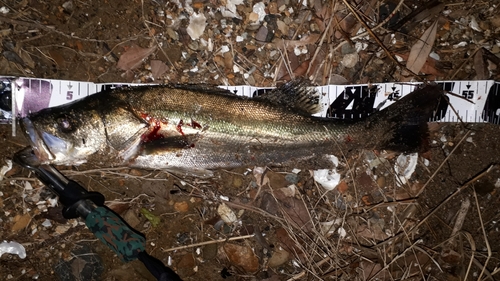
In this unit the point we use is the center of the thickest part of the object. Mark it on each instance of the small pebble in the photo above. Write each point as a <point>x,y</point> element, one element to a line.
<point>381,182</point>
<point>182,206</point>
<point>350,60</point>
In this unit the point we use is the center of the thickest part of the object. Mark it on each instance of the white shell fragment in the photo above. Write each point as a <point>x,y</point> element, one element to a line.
<point>226,214</point>
<point>5,169</point>
<point>196,27</point>
<point>329,179</point>
<point>474,25</point>
<point>230,10</point>
<point>459,45</point>
<point>342,233</point>
<point>328,227</point>
<point>405,166</point>
<point>12,248</point>
<point>224,49</point>
<point>46,223</point>
<point>260,9</point>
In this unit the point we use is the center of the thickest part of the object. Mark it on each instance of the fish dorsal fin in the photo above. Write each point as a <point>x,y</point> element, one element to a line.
<point>296,95</point>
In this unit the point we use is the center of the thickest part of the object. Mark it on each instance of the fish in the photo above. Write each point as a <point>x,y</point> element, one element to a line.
<point>198,128</point>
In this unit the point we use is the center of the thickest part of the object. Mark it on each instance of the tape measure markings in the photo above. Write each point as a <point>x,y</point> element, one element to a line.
<point>340,101</point>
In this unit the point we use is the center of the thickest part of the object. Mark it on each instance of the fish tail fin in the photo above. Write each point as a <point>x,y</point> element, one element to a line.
<point>403,125</point>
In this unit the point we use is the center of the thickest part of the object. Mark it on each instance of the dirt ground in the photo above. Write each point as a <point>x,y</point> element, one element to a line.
<point>439,223</point>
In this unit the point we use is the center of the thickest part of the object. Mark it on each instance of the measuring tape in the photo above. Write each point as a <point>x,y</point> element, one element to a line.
<point>475,101</point>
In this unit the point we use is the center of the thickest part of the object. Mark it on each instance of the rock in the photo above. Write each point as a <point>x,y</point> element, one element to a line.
<point>261,34</point>
<point>278,258</point>
<point>381,182</point>
<point>181,207</point>
<point>131,218</point>
<point>241,257</point>
<point>86,265</point>
<point>197,24</point>
<point>210,251</point>
<point>269,204</point>
<point>350,60</point>
<point>277,180</point>
<point>253,17</point>
<point>61,229</point>
<point>226,214</point>
<point>186,265</point>
<point>237,181</point>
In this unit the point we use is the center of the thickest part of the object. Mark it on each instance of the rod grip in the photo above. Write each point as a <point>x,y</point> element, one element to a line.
<point>115,233</point>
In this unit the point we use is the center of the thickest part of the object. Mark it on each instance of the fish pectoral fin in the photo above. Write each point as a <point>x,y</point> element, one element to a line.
<point>131,147</point>
<point>123,128</point>
<point>169,144</point>
<point>128,148</point>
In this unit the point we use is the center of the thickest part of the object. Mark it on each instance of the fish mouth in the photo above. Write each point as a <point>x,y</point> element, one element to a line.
<point>44,145</point>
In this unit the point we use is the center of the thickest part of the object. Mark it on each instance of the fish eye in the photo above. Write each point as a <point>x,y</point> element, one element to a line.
<point>65,124</point>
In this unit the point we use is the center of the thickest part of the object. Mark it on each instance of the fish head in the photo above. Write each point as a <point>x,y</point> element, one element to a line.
<point>64,135</point>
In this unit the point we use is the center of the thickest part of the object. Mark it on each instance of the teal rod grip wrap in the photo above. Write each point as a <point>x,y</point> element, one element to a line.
<point>115,233</point>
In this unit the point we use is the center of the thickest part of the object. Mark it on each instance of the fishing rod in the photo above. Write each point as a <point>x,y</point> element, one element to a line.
<point>127,243</point>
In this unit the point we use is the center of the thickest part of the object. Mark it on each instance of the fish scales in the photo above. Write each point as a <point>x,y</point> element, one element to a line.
<point>239,132</point>
<point>228,114</point>
<point>194,127</point>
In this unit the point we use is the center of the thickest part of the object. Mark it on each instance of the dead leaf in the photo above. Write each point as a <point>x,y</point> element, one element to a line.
<point>228,62</point>
<point>25,56</point>
<point>118,207</point>
<point>373,231</point>
<point>158,68</point>
<point>260,176</point>
<point>288,243</point>
<point>429,67</point>
<point>371,270</point>
<point>21,221</point>
<point>347,24</point>
<point>292,63</point>
<point>480,66</point>
<point>421,50</point>
<point>57,57</point>
<point>291,44</point>
<point>295,209</point>
<point>13,57</point>
<point>133,57</point>
<point>342,187</point>
<point>77,267</point>
<point>301,69</point>
<point>323,13</point>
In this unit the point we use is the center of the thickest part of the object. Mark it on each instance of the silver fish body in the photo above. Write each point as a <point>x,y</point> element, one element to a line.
<point>200,127</point>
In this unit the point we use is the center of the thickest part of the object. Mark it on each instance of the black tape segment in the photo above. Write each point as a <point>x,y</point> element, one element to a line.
<point>491,110</point>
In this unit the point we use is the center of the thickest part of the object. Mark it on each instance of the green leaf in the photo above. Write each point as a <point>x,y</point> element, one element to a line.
<point>154,220</point>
